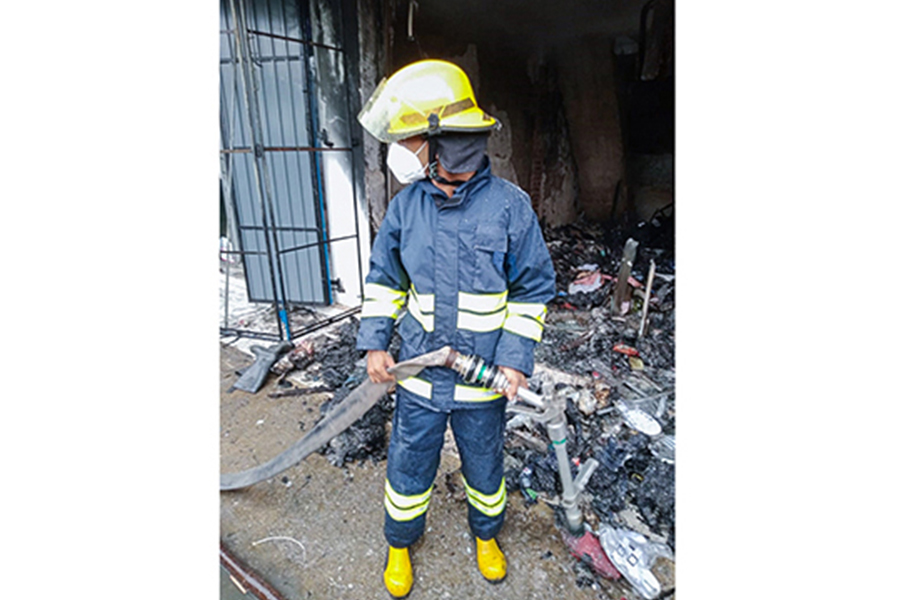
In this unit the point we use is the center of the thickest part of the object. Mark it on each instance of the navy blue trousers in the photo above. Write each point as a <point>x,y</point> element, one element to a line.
<point>413,457</point>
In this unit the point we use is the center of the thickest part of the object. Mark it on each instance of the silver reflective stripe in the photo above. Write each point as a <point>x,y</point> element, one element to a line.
<point>382,301</point>
<point>481,303</point>
<point>417,386</point>
<point>480,323</point>
<point>405,508</point>
<point>426,301</point>
<point>467,393</point>
<point>524,326</point>
<point>421,307</point>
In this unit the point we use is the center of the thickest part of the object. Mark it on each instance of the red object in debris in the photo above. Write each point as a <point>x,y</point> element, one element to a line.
<point>587,549</point>
<point>569,306</point>
<point>626,350</point>
<point>588,279</point>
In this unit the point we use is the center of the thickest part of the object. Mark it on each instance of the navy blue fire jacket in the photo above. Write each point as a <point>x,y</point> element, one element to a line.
<point>472,271</point>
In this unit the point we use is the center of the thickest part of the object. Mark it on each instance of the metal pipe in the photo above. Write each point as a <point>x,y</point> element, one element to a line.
<point>295,128</point>
<point>286,149</point>
<point>227,162</point>
<point>269,216</point>
<point>328,241</point>
<point>290,39</point>
<point>258,335</point>
<point>227,331</point>
<point>557,430</point>
<point>312,124</point>
<point>227,277</point>
<point>281,130</point>
<point>283,228</point>
<point>244,132</point>
<point>226,166</point>
<point>646,307</point>
<point>243,252</point>
<point>273,217</point>
<point>267,59</point>
<point>246,578</point>
<point>325,322</point>
<point>240,35</point>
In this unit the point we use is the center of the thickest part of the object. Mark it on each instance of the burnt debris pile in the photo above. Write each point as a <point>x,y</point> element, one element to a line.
<point>366,439</point>
<point>330,362</point>
<point>609,350</point>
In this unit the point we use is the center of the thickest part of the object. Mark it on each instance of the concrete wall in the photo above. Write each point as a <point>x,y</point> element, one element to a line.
<point>553,183</point>
<point>371,70</point>
<point>588,84</point>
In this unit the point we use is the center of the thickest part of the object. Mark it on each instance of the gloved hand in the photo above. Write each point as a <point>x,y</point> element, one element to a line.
<point>377,364</point>
<point>516,379</point>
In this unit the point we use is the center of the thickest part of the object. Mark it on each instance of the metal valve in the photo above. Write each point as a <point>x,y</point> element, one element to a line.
<point>474,370</point>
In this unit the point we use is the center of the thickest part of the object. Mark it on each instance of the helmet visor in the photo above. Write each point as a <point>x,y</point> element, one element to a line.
<point>376,115</point>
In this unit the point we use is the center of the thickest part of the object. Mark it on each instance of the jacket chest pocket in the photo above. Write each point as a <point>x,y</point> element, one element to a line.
<point>490,252</point>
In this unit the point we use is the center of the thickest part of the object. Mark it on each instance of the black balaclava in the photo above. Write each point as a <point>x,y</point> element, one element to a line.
<point>461,152</point>
<point>458,152</point>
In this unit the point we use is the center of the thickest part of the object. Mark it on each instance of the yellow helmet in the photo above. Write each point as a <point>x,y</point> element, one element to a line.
<point>428,96</point>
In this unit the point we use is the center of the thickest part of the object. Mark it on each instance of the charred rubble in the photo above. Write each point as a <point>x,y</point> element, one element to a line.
<point>596,358</point>
<point>366,439</point>
<point>333,363</point>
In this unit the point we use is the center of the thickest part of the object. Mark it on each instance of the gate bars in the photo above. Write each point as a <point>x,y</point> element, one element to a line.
<point>246,79</point>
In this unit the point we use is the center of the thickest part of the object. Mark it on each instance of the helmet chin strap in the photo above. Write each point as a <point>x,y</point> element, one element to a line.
<point>433,175</point>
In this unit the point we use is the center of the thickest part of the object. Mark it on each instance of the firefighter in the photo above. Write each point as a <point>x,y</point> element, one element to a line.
<point>462,251</point>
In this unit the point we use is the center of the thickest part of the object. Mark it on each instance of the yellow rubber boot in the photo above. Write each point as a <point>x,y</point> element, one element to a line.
<point>491,561</point>
<point>398,575</point>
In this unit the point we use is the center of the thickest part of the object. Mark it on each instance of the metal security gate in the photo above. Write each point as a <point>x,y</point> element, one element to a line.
<point>272,147</point>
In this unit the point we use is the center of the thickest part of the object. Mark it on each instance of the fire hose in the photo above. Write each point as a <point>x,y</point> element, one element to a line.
<point>473,370</point>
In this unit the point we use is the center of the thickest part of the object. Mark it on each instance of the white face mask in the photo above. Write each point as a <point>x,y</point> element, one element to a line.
<point>405,164</point>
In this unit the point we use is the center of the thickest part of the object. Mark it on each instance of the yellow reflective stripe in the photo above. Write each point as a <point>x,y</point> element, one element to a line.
<point>382,301</point>
<point>524,326</point>
<point>417,386</point>
<point>415,309</point>
<point>461,393</point>
<point>480,323</point>
<point>426,301</point>
<point>489,504</point>
<point>481,303</point>
<point>401,501</point>
<point>468,393</point>
<point>405,508</point>
<point>378,308</point>
<point>535,310</point>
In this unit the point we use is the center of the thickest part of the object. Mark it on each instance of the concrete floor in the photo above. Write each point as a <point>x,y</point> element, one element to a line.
<point>315,531</point>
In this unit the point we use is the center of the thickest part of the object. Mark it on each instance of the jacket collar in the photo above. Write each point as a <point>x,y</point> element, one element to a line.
<point>478,180</point>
